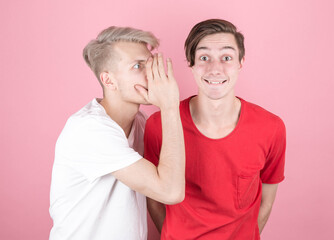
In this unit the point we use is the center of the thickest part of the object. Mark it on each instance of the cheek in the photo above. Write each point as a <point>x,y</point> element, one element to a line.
<point>198,69</point>
<point>139,76</point>
<point>233,69</point>
<point>142,74</point>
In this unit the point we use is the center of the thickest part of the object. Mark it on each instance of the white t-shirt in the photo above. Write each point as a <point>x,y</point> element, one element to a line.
<point>86,201</point>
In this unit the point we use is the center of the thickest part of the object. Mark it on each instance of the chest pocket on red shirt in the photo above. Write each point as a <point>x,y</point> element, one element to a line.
<point>247,189</point>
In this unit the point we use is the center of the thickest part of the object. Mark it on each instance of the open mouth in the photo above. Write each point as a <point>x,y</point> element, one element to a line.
<point>214,82</point>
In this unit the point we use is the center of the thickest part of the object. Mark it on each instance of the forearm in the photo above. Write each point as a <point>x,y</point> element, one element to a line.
<point>267,201</point>
<point>157,212</point>
<point>263,217</point>
<point>171,166</point>
<point>166,181</point>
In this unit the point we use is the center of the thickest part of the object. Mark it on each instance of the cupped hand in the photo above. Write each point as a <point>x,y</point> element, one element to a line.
<point>162,90</point>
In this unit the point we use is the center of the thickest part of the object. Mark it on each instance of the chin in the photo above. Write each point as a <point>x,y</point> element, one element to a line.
<point>217,96</point>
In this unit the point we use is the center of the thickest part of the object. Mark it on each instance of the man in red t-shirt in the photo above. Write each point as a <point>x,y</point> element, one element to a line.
<point>235,150</point>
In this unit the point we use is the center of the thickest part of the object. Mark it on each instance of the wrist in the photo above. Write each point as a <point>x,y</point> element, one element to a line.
<point>172,109</point>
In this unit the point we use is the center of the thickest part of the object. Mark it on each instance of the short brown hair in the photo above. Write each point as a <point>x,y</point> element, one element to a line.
<point>98,52</point>
<point>208,27</point>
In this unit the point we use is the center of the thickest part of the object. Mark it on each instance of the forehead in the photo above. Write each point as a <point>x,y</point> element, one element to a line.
<point>131,51</point>
<point>217,41</point>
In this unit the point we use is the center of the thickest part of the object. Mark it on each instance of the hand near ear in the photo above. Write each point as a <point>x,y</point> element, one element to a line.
<point>162,91</point>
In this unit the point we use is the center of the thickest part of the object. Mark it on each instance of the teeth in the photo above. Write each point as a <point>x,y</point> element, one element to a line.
<point>212,82</point>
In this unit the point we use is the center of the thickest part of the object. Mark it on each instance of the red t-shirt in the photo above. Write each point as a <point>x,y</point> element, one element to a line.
<point>223,176</point>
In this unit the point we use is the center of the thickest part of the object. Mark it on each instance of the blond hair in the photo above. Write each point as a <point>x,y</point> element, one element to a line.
<point>98,52</point>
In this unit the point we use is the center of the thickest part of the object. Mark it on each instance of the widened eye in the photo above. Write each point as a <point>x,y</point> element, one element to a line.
<point>204,58</point>
<point>227,58</point>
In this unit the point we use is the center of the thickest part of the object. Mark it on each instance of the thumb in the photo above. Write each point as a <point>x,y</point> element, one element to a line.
<point>142,91</point>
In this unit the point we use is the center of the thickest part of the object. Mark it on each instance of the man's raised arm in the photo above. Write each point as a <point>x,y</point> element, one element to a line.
<point>166,182</point>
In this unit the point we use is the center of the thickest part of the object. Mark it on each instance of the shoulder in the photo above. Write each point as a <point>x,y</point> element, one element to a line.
<point>262,122</point>
<point>155,118</point>
<point>141,118</point>
<point>260,115</point>
<point>91,120</point>
<point>153,123</point>
<point>184,104</point>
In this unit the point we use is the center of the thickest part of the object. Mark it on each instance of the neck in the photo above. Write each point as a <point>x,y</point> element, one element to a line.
<point>123,113</point>
<point>204,108</point>
<point>215,118</point>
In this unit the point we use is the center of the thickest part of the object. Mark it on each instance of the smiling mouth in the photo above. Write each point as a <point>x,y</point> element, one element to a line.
<point>214,82</point>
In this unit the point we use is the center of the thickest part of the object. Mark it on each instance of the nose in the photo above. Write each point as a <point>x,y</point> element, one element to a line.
<point>215,68</point>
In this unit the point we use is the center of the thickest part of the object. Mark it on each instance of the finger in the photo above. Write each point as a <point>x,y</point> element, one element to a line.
<point>170,70</point>
<point>161,66</point>
<point>148,68</point>
<point>142,91</point>
<point>155,71</point>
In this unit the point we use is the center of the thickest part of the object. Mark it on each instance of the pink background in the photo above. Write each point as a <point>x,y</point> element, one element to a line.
<point>288,70</point>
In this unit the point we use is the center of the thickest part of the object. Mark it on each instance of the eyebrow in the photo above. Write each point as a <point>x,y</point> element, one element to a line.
<point>225,47</point>
<point>141,59</point>
<point>138,61</point>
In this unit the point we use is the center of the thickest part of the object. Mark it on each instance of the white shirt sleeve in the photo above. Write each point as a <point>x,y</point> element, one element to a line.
<point>94,147</point>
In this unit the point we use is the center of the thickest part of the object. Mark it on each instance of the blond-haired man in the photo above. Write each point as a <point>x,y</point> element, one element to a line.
<point>99,176</point>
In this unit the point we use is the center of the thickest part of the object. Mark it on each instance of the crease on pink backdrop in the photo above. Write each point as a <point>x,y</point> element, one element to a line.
<point>45,80</point>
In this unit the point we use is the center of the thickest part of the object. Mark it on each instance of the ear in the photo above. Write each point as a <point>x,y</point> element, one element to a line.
<point>108,80</point>
<point>192,68</point>
<point>241,63</point>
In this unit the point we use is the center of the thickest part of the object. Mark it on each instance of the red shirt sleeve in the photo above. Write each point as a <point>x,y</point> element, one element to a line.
<point>273,171</point>
<point>153,138</point>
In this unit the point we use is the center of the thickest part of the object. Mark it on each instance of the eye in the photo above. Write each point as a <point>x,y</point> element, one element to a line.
<point>227,58</point>
<point>204,58</point>
<point>136,66</point>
